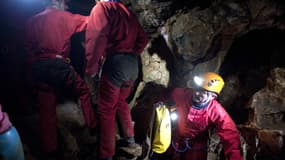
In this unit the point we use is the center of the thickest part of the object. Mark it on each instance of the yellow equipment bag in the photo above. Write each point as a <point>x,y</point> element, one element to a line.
<point>161,129</point>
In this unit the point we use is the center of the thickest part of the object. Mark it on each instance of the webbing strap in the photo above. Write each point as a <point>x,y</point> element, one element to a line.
<point>187,146</point>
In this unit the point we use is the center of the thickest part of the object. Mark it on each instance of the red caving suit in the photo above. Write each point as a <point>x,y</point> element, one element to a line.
<point>193,124</point>
<point>48,43</point>
<point>115,33</point>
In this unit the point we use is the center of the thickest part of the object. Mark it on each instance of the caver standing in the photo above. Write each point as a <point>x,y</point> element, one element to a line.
<point>114,34</point>
<point>48,36</point>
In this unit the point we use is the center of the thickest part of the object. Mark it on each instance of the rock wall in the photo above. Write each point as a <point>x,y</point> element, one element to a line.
<point>197,37</point>
<point>188,37</point>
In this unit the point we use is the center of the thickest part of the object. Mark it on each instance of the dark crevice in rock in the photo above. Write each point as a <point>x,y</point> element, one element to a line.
<point>183,4</point>
<point>250,58</point>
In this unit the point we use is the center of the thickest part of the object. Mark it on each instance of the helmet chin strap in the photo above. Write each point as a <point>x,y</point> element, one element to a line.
<point>200,106</point>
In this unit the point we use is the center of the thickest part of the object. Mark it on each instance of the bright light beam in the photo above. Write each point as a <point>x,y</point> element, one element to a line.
<point>198,80</point>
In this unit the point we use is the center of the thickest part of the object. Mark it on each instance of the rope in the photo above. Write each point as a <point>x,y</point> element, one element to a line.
<point>187,146</point>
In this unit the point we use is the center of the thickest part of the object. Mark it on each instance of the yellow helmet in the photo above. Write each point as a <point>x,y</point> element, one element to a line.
<point>210,81</point>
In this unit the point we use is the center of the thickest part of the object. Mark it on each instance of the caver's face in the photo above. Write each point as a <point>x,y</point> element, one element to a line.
<point>201,96</point>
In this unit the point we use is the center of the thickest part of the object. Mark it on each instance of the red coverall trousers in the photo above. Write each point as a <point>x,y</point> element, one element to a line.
<point>115,86</point>
<point>54,77</point>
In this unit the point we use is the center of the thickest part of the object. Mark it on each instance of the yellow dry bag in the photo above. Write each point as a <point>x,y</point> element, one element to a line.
<point>161,130</point>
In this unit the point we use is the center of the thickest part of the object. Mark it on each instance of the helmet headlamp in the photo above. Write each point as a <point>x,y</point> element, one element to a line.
<point>210,81</point>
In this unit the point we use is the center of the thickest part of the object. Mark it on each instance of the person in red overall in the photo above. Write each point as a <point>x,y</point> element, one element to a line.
<point>114,33</point>
<point>48,36</point>
<point>198,110</point>
<point>11,147</point>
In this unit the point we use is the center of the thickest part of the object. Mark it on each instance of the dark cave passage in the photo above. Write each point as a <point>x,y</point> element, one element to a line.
<point>250,58</point>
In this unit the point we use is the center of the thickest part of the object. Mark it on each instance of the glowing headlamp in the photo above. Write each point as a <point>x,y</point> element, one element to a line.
<point>173,116</point>
<point>198,80</point>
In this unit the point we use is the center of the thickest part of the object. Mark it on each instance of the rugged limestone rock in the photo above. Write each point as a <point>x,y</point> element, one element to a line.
<point>268,104</point>
<point>186,37</point>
